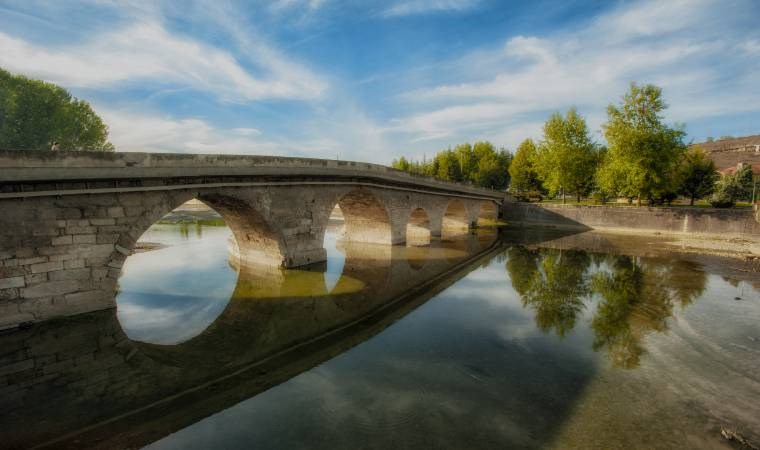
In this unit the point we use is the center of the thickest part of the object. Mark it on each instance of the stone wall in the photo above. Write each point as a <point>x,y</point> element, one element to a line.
<point>669,220</point>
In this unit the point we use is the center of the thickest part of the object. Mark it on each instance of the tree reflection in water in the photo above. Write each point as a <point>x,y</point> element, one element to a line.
<point>636,295</point>
<point>552,283</point>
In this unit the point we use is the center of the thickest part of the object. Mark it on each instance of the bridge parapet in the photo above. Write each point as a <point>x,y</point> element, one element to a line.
<point>24,172</point>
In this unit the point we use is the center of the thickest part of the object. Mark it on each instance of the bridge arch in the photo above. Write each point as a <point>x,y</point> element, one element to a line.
<point>366,219</point>
<point>487,213</point>
<point>418,227</point>
<point>256,241</point>
<point>455,216</point>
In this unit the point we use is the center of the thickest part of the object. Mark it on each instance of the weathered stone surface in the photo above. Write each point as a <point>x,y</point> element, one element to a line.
<point>103,221</point>
<point>115,212</point>
<point>70,274</point>
<point>47,266</point>
<point>50,288</point>
<point>84,239</point>
<point>81,230</point>
<point>74,264</point>
<point>12,282</point>
<point>62,240</point>
<point>29,261</point>
<point>36,278</point>
<point>16,367</point>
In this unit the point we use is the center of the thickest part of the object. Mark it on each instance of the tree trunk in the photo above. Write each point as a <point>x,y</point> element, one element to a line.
<point>578,198</point>
<point>691,203</point>
<point>563,196</point>
<point>638,200</point>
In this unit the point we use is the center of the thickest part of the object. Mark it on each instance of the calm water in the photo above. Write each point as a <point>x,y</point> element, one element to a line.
<point>528,340</point>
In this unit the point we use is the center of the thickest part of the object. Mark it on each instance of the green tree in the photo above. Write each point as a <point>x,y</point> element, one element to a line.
<point>643,153</point>
<point>491,168</point>
<point>401,164</point>
<point>697,175</point>
<point>745,181</point>
<point>567,157</point>
<point>522,170</point>
<point>466,160</point>
<point>35,114</point>
<point>727,190</point>
<point>448,166</point>
<point>480,163</point>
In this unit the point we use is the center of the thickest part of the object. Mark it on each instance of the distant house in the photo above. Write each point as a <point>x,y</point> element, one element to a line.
<point>728,154</point>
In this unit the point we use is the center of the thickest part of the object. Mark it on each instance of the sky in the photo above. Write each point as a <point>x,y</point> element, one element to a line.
<point>372,80</point>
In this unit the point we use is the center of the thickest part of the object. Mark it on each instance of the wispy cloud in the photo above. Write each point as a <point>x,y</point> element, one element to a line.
<point>673,44</point>
<point>146,51</point>
<point>411,7</point>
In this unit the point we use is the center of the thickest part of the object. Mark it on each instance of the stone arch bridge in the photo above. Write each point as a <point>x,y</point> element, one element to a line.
<point>68,220</point>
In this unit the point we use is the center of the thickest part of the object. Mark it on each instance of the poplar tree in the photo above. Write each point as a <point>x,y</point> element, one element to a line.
<point>567,157</point>
<point>643,153</point>
<point>697,175</point>
<point>522,170</point>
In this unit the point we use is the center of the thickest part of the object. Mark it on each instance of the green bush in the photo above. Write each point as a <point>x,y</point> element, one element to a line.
<point>727,190</point>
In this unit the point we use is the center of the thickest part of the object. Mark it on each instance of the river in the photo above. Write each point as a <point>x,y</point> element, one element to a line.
<point>516,339</point>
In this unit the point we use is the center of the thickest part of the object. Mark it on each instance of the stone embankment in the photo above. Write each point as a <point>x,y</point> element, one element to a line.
<point>731,232</point>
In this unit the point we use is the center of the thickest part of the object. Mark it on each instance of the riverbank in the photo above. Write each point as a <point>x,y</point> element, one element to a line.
<point>731,233</point>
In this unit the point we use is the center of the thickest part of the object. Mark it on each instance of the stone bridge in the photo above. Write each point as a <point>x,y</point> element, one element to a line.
<point>68,220</point>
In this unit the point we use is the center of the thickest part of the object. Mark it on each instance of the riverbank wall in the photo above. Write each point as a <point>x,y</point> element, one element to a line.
<point>676,220</point>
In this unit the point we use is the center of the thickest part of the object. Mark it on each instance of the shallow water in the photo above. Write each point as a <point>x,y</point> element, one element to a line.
<point>528,340</point>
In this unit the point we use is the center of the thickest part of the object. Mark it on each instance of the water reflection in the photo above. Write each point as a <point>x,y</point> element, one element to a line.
<point>635,295</point>
<point>353,354</point>
<point>553,283</point>
<point>178,286</point>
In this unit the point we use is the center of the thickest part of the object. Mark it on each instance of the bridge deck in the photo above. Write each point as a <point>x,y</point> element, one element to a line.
<point>30,173</point>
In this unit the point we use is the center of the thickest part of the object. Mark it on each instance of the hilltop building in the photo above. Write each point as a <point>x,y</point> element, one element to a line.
<point>731,154</point>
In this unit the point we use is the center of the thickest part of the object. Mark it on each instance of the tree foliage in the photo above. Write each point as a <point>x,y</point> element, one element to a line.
<point>643,153</point>
<point>566,158</point>
<point>35,114</point>
<point>522,169</point>
<point>479,163</point>
<point>697,175</point>
<point>733,187</point>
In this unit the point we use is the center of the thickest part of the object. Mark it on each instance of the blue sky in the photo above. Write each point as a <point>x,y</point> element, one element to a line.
<point>373,80</point>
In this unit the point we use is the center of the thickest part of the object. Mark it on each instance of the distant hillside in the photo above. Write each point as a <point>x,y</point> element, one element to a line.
<point>729,152</point>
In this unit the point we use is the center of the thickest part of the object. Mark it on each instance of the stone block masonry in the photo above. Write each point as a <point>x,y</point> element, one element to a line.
<point>711,221</point>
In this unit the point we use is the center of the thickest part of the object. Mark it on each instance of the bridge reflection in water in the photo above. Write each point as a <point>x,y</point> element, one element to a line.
<point>81,381</point>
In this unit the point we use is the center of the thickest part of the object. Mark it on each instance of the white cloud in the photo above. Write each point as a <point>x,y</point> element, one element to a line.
<point>147,51</point>
<point>410,7</point>
<point>345,133</point>
<point>131,131</point>
<point>666,43</point>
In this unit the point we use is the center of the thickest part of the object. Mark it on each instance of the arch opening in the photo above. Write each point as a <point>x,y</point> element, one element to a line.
<point>455,219</point>
<point>365,218</point>
<point>178,277</point>
<point>357,223</point>
<point>336,257</point>
<point>418,228</point>
<point>488,214</point>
